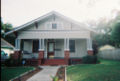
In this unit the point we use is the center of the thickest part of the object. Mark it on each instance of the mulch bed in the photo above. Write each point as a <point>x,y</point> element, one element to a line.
<point>61,74</point>
<point>28,75</point>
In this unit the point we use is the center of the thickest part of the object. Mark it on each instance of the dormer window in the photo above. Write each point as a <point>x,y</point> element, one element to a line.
<point>54,26</point>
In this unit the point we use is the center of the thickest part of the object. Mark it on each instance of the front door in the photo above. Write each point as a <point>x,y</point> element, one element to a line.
<point>51,46</point>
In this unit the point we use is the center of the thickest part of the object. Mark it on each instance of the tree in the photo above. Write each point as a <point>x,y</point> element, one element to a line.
<point>2,28</point>
<point>103,36</point>
<point>108,31</point>
<point>115,35</point>
<point>6,28</point>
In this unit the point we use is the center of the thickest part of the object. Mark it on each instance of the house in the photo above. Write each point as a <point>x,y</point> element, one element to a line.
<point>106,47</point>
<point>52,39</point>
<point>6,48</point>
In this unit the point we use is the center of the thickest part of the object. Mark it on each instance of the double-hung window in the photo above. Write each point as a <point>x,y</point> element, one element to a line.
<point>54,25</point>
<point>35,46</point>
<point>72,45</point>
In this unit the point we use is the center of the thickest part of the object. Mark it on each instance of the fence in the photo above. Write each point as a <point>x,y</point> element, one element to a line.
<point>113,54</point>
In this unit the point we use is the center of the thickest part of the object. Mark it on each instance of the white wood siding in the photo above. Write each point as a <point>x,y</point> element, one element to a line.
<point>62,25</point>
<point>65,29</point>
<point>53,34</point>
<point>80,48</point>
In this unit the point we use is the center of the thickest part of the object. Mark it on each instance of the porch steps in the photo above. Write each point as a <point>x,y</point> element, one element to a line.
<point>54,62</point>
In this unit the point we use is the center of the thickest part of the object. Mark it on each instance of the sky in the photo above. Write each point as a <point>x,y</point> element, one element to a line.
<point>18,12</point>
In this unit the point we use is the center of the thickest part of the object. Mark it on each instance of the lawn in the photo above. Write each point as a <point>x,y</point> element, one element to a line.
<point>106,71</point>
<point>11,72</point>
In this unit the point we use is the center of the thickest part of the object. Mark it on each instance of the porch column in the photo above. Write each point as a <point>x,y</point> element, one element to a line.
<point>89,46</point>
<point>17,49</point>
<point>66,50</point>
<point>41,51</point>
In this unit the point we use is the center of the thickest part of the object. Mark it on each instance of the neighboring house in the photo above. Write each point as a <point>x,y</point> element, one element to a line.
<point>6,48</point>
<point>52,39</point>
<point>106,47</point>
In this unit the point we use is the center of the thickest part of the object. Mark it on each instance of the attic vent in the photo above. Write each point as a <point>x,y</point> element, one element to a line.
<point>36,25</point>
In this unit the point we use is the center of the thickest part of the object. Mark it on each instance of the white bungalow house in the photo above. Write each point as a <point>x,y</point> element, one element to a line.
<point>52,39</point>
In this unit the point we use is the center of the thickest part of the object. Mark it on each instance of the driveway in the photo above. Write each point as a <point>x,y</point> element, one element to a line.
<point>45,74</point>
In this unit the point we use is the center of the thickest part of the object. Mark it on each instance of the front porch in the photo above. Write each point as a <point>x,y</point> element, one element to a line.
<point>52,51</point>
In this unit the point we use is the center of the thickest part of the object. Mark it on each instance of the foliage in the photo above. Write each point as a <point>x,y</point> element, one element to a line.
<point>8,27</point>
<point>8,73</point>
<point>95,48</point>
<point>5,27</point>
<point>55,78</point>
<point>103,39</point>
<point>13,62</point>
<point>89,59</point>
<point>115,35</point>
<point>2,25</point>
<point>10,39</point>
<point>106,31</point>
<point>107,70</point>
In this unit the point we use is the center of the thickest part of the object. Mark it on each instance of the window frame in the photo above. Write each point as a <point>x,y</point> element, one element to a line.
<point>53,25</point>
<point>73,50</point>
<point>48,25</point>
<point>33,48</point>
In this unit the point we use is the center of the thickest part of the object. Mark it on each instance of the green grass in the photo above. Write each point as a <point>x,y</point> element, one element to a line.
<point>107,70</point>
<point>8,73</point>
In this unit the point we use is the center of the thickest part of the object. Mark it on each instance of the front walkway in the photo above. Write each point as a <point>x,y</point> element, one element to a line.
<point>45,74</point>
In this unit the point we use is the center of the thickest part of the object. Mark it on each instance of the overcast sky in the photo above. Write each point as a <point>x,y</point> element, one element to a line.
<point>18,12</point>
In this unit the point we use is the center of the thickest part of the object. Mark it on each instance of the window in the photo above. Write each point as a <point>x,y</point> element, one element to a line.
<point>51,47</point>
<point>72,45</point>
<point>35,46</point>
<point>54,26</point>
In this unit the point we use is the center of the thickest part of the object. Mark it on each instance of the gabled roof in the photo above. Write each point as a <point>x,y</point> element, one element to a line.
<point>45,16</point>
<point>5,44</point>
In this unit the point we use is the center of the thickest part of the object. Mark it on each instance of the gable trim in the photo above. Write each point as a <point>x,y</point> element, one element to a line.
<point>44,16</point>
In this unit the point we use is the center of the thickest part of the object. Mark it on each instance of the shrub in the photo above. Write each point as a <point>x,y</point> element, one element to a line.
<point>89,59</point>
<point>13,62</point>
<point>55,78</point>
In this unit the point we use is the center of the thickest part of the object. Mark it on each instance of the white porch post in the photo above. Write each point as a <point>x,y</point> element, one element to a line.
<point>66,50</point>
<point>41,51</point>
<point>17,49</point>
<point>89,46</point>
<point>66,44</point>
<point>17,44</point>
<point>41,44</point>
